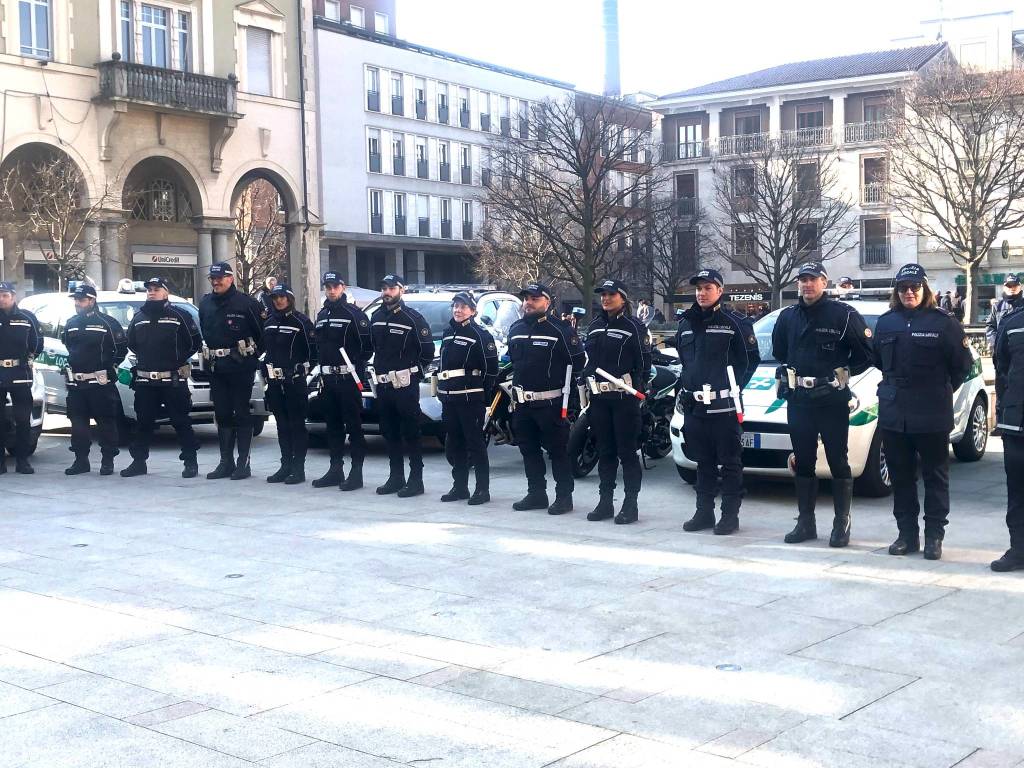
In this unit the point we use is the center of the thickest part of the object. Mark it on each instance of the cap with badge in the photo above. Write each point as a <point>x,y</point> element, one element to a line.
<point>6,287</point>
<point>464,297</point>
<point>911,273</point>
<point>1011,279</point>
<point>332,278</point>
<point>535,290</point>
<point>708,276</point>
<point>280,290</point>
<point>83,291</point>
<point>812,269</point>
<point>156,282</point>
<point>612,286</point>
<point>393,281</point>
<point>221,269</point>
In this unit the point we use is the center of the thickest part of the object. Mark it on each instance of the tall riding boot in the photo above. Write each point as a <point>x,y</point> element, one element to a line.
<point>806,498</point>
<point>335,474</point>
<point>242,470</point>
<point>396,480</point>
<point>226,438</point>
<point>354,481</point>
<point>704,517</point>
<point>842,497</point>
<point>414,486</point>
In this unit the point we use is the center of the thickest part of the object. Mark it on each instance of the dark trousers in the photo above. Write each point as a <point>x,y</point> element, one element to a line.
<point>464,442</point>
<point>904,451</point>
<point>343,405</point>
<point>100,403</point>
<point>21,409</point>
<point>231,393</point>
<point>288,402</point>
<point>542,428</point>
<point>713,440</point>
<point>615,423</point>
<point>832,422</point>
<point>399,413</point>
<point>177,401</point>
<point>1013,462</point>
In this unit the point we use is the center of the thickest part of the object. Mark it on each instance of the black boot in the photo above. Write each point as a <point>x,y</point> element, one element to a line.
<point>456,494</point>
<point>605,509</point>
<point>561,504</point>
<point>297,476</point>
<point>3,462</point>
<point>226,439</point>
<point>480,496</point>
<point>932,548</point>
<point>80,465</point>
<point>335,475</point>
<point>1012,559</point>
<point>532,500</point>
<point>354,481</point>
<point>22,467</point>
<point>842,497</point>
<point>704,517</point>
<point>414,485</point>
<point>806,498</point>
<point>629,513</point>
<point>395,481</point>
<point>906,543</point>
<point>729,522</point>
<point>242,470</point>
<point>106,464</point>
<point>136,468</point>
<point>282,473</point>
<point>191,467</point>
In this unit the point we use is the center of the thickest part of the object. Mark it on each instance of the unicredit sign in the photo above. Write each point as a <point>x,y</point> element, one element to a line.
<point>166,259</point>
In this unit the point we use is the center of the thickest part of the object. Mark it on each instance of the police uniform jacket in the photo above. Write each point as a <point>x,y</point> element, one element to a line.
<point>815,339</point>
<point>1003,307</point>
<point>341,324</point>
<point>227,319</point>
<point>541,348</point>
<point>467,346</point>
<point>163,338</point>
<point>618,345</point>
<point>401,339</point>
<point>1008,358</point>
<point>708,340</point>
<point>289,342</point>
<point>924,357</point>
<point>95,342</point>
<point>21,340</point>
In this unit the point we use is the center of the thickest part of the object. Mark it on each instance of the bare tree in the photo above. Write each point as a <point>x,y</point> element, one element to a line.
<point>512,255</point>
<point>672,234</point>
<point>573,183</point>
<point>776,207</point>
<point>956,166</point>
<point>261,247</point>
<point>46,199</point>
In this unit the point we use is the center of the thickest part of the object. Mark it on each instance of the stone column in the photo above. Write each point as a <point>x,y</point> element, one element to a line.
<point>839,118</point>
<point>391,265</point>
<point>93,266</point>
<point>419,271</point>
<point>113,256</point>
<point>774,117</point>
<point>351,265</point>
<point>714,124</point>
<point>205,250</point>
<point>223,246</point>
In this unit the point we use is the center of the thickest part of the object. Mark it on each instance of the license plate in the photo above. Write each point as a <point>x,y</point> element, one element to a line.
<point>751,439</point>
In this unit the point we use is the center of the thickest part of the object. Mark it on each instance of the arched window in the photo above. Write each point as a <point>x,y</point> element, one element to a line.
<point>162,200</point>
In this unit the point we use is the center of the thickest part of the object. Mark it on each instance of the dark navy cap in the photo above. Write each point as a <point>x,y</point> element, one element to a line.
<point>221,269</point>
<point>535,289</point>
<point>83,291</point>
<point>281,290</point>
<point>812,269</point>
<point>156,282</point>
<point>465,297</point>
<point>332,278</point>
<point>393,280</point>
<point>1011,279</point>
<point>612,286</point>
<point>845,279</point>
<point>911,273</point>
<point>709,275</point>
<point>6,287</point>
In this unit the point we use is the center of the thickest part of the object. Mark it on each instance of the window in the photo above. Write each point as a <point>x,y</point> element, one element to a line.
<point>810,116</point>
<point>484,100</point>
<point>258,60</point>
<point>423,215</point>
<point>373,149</point>
<point>446,217</point>
<point>161,200</point>
<point>686,250</point>
<point>744,183</point>
<point>744,245</point>
<point>356,16</point>
<point>127,28</point>
<point>464,103</point>
<point>381,23</point>
<point>876,109</point>
<point>875,239</point>
<point>373,89</point>
<point>398,154</point>
<point>747,124</point>
<point>807,238</point>
<point>420,93</point>
<point>442,102</point>
<point>184,41</point>
<point>444,161</point>
<point>691,141</point>
<point>34,18</point>
<point>466,160</point>
<point>504,114</point>
<point>807,185</point>
<point>376,211</point>
<point>332,10</point>
<point>155,37</point>
<point>467,219</point>
<point>397,93</point>
<point>686,194</point>
<point>400,228</point>
<point>874,181</point>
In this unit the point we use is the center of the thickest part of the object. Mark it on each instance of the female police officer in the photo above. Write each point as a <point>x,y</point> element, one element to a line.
<point>1009,363</point>
<point>924,357</point>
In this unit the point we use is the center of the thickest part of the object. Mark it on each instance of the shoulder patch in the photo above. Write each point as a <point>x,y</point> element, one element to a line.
<point>574,340</point>
<point>490,346</point>
<point>752,339</point>
<point>424,331</point>
<point>867,333</point>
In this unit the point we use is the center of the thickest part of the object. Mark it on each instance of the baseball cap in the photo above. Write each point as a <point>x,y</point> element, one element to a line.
<point>83,291</point>
<point>535,289</point>
<point>465,297</point>
<point>221,269</point>
<point>1011,279</point>
<point>7,287</point>
<point>612,286</point>
<point>708,275</point>
<point>281,290</point>
<point>845,279</point>
<point>812,269</point>
<point>332,278</point>
<point>911,273</point>
<point>393,280</point>
<point>156,282</point>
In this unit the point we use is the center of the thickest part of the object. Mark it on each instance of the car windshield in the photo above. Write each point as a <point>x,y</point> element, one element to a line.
<point>763,330</point>
<point>436,313</point>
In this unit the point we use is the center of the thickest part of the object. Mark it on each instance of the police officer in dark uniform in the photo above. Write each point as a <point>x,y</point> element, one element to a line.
<point>96,345</point>
<point>232,326</point>
<point>1012,299</point>
<point>21,341</point>
<point>617,342</point>
<point>163,337</point>
<point>403,347</point>
<point>547,357</point>
<point>820,343</point>
<point>340,326</point>
<point>289,351</point>
<point>466,379</point>
<point>1009,364</point>
<point>924,357</point>
<point>710,338</point>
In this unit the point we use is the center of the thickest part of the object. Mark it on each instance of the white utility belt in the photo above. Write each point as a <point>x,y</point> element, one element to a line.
<point>456,373</point>
<point>599,386</point>
<point>15,362</point>
<point>181,373</point>
<point>839,381</point>
<point>100,377</point>
<point>280,373</point>
<point>246,348</point>
<point>526,396</point>
<point>397,379</point>
<point>336,370</point>
<point>460,391</point>
<point>706,396</point>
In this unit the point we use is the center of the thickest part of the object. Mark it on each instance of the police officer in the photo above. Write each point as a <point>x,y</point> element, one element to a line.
<point>163,338</point>
<point>709,339</point>
<point>96,345</point>
<point>403,347</point>
<point>232,326</point>
<point>289,351</point>
<point>466,379</point>
<point>341,325</point>
<point>547,357</point>
<point>1012,299</point>
<point>924,357</point>
<point>618,344</point>
<point>819,343</point>
<point>20,342</point>
<point>1009,364</point>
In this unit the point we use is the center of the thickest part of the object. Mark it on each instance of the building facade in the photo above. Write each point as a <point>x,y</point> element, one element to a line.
<point>168,109</point>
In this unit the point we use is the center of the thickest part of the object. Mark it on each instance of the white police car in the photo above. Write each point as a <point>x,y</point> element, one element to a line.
<point>766,442</point>
<point>37,415</point>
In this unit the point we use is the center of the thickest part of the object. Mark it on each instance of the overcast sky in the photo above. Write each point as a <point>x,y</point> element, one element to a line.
<point>667,45</point>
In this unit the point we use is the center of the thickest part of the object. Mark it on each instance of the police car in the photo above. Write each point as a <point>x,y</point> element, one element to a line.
<point>766,442</point>
<point>496,311</point>
<point>38,410</point>
<point>53,310</point>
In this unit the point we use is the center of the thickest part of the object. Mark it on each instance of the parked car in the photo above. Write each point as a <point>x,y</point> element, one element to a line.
<point>766,442</point>
<point>496,311</point>
<point>38,411</point>
<point>54,310</point>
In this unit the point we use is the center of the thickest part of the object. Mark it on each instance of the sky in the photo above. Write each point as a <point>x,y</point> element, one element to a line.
<point>668,45</point>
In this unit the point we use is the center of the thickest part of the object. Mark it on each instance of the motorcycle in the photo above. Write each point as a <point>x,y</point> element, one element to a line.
<point>497,418</point>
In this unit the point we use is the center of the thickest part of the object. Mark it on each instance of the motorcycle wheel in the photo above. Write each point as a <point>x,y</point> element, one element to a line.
<point>582,447</point>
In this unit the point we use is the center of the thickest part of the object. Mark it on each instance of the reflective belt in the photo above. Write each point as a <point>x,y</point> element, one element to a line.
<point>456,373</point>
<point>394,377</point>
<point>460,391</point>
<point>709,395</point>
<point>335,370</point>
<point>100,377</point>
<point>599,387</point>
<point>810,382</point>
<point>526,396</point>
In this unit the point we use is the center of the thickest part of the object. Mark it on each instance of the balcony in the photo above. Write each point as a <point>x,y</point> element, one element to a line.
<point>398,106</point>
<point>421,110</point>
<point>376,224</point>
<point>373,101</point>
<point>688,150</point>
<point>807,137</point>
<point>179,91</point>
<point>686,207</point>
<point>871,133</point>
<point>424,229</point>
<point>467,230</point>
<point>442,114</point>
<point>445,171</point>
<point>874,255</point>
<point>398,165</point>
<point>375,162</point>
<point>875,193</point>
<point>399,225</point>
<point>467,174</point>
<point>422,170</point>
<point>485,122</point>
<point>446,229</point>
<point>743,144</point>
<point>464,118</point>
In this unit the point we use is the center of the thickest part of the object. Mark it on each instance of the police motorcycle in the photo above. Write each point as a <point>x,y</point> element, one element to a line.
<point>498,417</point>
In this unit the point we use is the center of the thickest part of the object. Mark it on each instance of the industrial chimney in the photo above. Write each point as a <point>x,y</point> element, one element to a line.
<point>612,84</point>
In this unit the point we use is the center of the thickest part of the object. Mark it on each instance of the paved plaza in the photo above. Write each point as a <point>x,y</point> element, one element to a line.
<point>162,622</point>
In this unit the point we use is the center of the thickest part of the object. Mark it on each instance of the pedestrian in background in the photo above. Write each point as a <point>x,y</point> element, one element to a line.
<point>1011,300</point>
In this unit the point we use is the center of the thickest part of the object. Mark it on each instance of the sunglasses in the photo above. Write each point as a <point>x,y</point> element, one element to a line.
<point>911,287</point>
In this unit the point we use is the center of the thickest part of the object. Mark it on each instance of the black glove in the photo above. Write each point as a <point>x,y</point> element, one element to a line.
<point>687,400</point>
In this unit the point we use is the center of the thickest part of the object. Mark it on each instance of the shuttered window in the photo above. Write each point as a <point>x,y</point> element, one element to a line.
<point>258,60</point>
